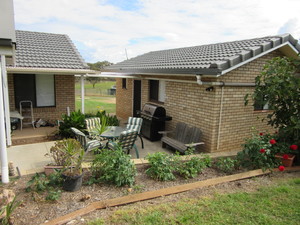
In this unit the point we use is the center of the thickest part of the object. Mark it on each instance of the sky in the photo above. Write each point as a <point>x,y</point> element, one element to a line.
<point>115,30</point>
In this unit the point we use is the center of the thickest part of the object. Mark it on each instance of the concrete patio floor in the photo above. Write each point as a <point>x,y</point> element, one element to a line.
<point>30,158</point>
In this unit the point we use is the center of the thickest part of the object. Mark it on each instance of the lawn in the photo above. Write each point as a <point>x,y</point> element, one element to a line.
<point>96,98</point>
<point>277,204</point>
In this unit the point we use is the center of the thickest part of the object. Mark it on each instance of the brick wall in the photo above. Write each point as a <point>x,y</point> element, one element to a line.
<point>124,99</point>
<point>192,104</point>
<point>64,94</point>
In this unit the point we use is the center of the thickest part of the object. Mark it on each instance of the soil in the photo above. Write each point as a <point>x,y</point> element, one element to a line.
<point>35,210</point>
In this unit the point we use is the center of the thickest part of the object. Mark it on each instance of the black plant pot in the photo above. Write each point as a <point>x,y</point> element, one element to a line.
<point>72,183</point>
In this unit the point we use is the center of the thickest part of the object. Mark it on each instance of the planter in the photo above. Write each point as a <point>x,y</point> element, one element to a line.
<point>72,183</point>
<point>285,162</point>
<point>51,169</point>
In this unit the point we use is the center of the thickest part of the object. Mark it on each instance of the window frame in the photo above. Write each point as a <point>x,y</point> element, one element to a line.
<point>156,91</point>
<point>33,86</point>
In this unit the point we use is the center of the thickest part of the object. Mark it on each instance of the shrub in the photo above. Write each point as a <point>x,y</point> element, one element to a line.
<point>113,166</point>
<point>226,165</point>
<point>40,183</point>
<point>76,119</point>
<point>258,152</point>
<point>192,167</point>
<point>162,166</point>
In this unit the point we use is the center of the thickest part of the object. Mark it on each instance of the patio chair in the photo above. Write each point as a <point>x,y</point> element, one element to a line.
<point>126,141</point>
<point>91,124</point>
<point>87,144</point>
<point>135,123</point>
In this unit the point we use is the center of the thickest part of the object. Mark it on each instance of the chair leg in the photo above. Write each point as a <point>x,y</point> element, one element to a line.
<point>141,141</point>
<point>136,151</point>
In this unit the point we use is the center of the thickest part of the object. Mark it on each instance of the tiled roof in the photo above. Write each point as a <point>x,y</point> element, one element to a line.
<point>204,59</point>
<point>46,50</point>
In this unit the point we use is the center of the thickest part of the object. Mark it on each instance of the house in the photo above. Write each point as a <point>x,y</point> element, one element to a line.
<point>42,71</point>
<point>203,86</point>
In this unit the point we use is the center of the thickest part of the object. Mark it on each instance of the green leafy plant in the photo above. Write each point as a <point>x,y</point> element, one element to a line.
<point>7,210</point>
<point>227,165</point>
<point>111,120</point>
<point>76,119</point>
<point>114,167</point>
<point>162,166</point>
<point>259,152</point>
<point>192,167</point>
<point>38,183</point>
<point>278,86</point>
<point>53,195</point>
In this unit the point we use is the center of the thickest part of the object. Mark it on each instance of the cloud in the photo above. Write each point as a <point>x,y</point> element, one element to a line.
<point>103,29</point>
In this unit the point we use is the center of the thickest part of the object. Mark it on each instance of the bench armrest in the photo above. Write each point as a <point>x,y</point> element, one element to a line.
<point>194,144</point>
<point>164,133</point>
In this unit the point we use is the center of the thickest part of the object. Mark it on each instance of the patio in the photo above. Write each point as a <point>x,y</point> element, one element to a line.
<point>32,145</point>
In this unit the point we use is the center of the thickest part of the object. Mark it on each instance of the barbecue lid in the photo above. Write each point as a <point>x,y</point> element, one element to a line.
<point>154,110</point>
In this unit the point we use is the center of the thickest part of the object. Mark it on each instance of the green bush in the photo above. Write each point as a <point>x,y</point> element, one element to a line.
<point>226,165</point>
<point>40,183</point>
<point>192,167</point>
<point>162,166</point>
<point>77,120</point>
<point>113,166</point>
<point>258,153</point>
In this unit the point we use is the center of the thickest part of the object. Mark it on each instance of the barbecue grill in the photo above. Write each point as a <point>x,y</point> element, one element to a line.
<point>154,118</point>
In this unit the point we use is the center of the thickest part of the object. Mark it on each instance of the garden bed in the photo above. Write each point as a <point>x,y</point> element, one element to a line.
<point>36,210</point>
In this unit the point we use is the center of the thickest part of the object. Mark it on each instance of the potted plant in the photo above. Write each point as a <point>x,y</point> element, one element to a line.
<point>287,155</point>
<point>57,154</point>
<point>72,173</point>
<point>68,155</point>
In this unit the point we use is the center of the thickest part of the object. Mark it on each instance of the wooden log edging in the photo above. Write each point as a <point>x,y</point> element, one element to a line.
<point>159,193</point>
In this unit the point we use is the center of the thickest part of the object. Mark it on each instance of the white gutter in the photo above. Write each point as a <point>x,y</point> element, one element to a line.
<point>221,83</point>
<point>3,150</point>
<point>28,70</point>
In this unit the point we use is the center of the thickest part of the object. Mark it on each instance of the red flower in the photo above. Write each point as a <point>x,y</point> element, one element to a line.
<point>281,168</point>
<point>261,134</point>
<point>272,141</point>
<point>294,147</point>
<point>262,150</point>
<point>285,156</point>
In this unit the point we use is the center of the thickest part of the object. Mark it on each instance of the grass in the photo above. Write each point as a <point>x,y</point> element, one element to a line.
<point>96,98</point>
<point>276,204</point>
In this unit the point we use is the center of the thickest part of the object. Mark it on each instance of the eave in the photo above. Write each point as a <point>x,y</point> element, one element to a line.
<point>32,70</point>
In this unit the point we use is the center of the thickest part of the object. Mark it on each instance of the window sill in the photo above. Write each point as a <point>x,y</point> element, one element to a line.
<point>156,102</point>
<point>263,111</point>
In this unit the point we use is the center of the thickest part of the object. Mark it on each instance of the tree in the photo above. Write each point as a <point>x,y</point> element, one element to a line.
<point>279,86</point>
<point>97,66</point>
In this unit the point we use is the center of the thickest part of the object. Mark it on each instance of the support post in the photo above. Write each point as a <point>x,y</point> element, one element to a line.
<point>6,101</point>
<point>82,92</point>
<point>3,150</point>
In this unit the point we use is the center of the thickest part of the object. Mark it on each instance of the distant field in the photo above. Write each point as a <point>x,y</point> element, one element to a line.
<point>96,98</point>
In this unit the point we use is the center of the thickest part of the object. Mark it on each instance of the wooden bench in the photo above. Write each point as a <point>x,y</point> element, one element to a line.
<point>183,137</point>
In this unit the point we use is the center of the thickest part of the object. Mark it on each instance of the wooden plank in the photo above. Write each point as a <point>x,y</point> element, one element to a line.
<point>159,193</point>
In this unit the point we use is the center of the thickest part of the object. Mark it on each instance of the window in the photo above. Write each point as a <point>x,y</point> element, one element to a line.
<point>261,104</point>
<point>157,90</point>
<point>38,88</point>
<point>124,83</point>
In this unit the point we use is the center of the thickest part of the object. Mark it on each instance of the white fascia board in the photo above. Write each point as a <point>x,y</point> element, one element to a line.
<point>30,70</point>
<point>260,55</point>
